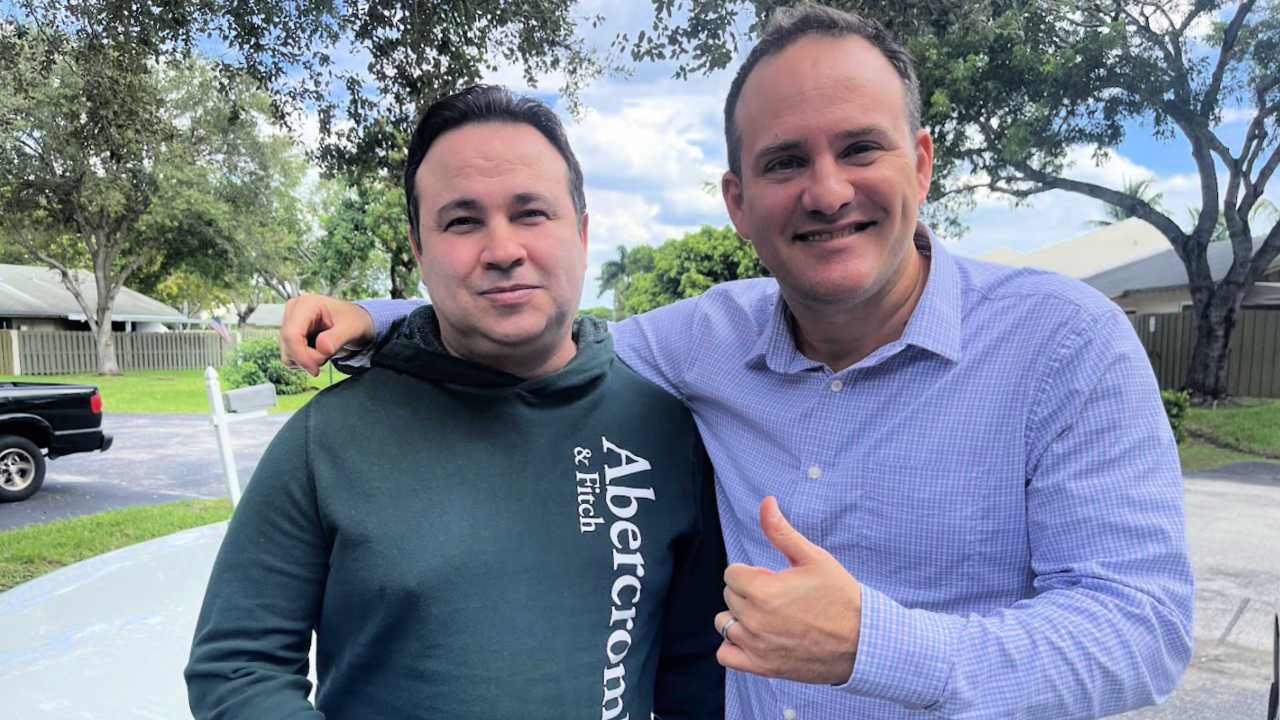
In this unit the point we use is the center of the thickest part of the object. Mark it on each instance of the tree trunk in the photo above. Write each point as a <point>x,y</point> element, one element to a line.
<point>1215,320</point>
<point>106,349</point>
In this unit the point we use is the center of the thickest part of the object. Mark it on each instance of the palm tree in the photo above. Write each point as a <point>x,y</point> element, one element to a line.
<point>1140,189</point>
<point>616,275</point>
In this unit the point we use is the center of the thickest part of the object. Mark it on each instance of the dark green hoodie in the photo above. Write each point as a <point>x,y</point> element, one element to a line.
<point>469,544</point>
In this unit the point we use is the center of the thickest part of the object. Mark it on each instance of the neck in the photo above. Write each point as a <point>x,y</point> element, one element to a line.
<point>527,363</point>
<point>840,335</point>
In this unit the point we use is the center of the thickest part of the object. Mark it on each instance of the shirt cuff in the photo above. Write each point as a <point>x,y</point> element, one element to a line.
<point>385,313</point>
<point>904,656</point>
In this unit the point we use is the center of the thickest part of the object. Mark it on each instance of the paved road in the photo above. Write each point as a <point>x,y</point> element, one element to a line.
<point>154,459</point>
<point>1232,530</point>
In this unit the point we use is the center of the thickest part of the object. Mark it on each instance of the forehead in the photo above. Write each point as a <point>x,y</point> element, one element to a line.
<point>822,85</point>
<point>487,158</point>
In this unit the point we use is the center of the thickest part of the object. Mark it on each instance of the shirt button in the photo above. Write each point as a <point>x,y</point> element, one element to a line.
<point>789,714</point>
<point>836,386</point>
<point>815,472</point>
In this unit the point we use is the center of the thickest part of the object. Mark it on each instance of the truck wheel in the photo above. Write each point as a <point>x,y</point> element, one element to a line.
<point>21,468</point>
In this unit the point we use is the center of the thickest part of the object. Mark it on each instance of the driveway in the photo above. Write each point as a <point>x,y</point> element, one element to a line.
<point>1233,529</point>
<point>154,459</point>
<point>115,645</point>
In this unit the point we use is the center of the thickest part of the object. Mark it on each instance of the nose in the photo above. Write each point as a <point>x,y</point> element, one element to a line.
<point>503,249</point>
<point>828,191</point>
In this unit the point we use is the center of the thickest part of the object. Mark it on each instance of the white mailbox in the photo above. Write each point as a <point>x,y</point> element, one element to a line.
<point>249,399</point>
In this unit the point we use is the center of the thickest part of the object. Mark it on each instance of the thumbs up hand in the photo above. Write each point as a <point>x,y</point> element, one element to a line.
<point>800,623</point>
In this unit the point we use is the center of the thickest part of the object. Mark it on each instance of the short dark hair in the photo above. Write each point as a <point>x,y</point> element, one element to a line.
<point>478,104</point>
<point>789,25</point>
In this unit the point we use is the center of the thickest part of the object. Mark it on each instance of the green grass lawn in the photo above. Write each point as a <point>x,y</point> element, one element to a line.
<point>166,391</point>
<point>1248,425</point>
<point>31,551</point>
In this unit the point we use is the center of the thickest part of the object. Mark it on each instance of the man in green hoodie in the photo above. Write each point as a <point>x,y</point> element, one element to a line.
<point>524,528</point>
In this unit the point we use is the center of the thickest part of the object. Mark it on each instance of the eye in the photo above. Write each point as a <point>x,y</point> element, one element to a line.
<point>461,223</point>
<point>785,163</point>
<point>533,215</point>
<point>859,150</point>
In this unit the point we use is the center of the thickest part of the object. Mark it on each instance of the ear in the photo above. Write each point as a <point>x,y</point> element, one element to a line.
<point>731,189</point>
<point>583,230</point>
<point>924,163</point>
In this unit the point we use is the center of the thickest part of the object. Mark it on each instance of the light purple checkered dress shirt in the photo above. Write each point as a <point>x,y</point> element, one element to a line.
<point>1002,480</point>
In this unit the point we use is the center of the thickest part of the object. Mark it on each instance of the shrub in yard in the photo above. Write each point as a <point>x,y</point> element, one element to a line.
<point>258,361</point>
<point>1176,405</point>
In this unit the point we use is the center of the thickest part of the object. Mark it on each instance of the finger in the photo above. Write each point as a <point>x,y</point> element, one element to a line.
<point>737,604</point>
<point>734,657</point>
<point>743,577</point>
<point>794,546</point>
<point>736,633</point>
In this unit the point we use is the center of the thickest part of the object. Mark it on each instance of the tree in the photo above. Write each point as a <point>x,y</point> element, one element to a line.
<point>1140,189</point>
<point>615,275</point>
<point>687,266</point>
<point>109,161</point>
<point>1010,87</point>
<point>300,50</point>
<point>364,226</point>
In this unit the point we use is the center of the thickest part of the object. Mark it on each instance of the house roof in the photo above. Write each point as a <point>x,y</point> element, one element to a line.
<point>1161,270</point>
<point>1090,253</point>
<point>266,315</point>
<point>37,291</point>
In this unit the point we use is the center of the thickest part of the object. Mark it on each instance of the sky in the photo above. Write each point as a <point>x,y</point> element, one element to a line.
<point>649,144</point>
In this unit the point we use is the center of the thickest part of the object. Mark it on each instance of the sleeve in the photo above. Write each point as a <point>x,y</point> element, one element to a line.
<point>387,317</point>
<point>690,682</point>
<point>1108,625</point>
<point>658,344</point>
<point>249,657</point>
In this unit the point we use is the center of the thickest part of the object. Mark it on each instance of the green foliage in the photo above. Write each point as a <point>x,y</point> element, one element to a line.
<point>364,245</point>
<point>240,374</point>
<point>258,361</point>
<point>1176,404</point>
<point>409,54</point>
<point>616,275</point>
<point>603,313</point>
<point>687,266</point>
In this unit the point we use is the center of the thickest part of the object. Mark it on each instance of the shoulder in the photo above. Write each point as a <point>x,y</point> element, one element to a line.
<point>1031,297</point>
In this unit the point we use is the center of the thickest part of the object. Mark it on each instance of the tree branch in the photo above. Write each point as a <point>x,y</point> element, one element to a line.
<point>1224,54</point>
<point>1137,207</point>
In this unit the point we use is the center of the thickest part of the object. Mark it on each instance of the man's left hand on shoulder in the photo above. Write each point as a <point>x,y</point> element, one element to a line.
<point>800,623</point>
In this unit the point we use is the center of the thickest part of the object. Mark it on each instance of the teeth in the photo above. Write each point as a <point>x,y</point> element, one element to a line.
<point>825,236</point>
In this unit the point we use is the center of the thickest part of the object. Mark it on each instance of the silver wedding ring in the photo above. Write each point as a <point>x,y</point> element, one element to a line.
<point>724,629</point>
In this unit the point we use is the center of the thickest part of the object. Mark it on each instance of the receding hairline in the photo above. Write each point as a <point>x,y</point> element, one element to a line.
<point>858,130</point>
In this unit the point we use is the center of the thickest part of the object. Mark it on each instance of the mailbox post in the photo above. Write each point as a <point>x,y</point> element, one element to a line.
<point>233,406</point>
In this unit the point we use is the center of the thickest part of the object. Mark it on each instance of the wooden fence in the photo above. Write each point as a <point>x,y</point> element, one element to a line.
<point>1253,367</point>
<point>7,354</point>
<point>64,353</point>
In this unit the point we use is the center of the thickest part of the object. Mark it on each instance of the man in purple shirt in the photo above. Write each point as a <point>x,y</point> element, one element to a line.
<point>983,500</point>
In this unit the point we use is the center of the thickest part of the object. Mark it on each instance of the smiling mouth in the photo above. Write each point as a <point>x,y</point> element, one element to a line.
<point>827,235</point>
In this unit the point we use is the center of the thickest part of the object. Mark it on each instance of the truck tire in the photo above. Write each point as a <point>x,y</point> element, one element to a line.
<point>21,468</point>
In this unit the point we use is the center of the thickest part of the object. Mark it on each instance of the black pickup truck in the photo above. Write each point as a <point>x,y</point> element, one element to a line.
<point>39,419</point>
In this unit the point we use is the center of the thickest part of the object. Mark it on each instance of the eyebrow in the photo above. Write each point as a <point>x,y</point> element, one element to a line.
<point>462,204</point>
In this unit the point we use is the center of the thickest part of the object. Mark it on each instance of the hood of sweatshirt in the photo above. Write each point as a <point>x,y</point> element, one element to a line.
<point>416,349</point>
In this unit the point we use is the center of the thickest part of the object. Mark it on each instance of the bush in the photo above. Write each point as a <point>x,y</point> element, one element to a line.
<point>258,361</point>
<point>1176,405</point>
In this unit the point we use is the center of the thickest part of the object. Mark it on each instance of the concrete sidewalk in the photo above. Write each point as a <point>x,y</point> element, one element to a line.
<point>107,638</point>
<point>1233,529</point>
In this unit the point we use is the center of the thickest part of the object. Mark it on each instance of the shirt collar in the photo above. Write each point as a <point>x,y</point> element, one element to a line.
<point>934,324</point>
